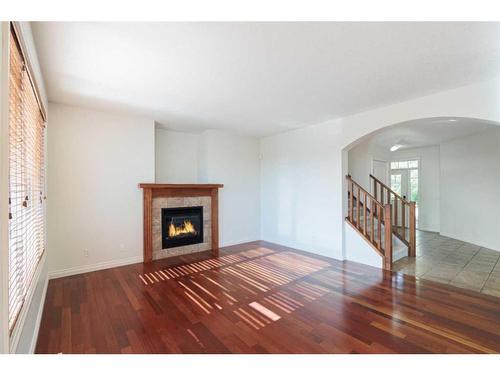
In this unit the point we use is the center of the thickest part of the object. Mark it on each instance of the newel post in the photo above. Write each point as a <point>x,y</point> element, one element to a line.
<point>388,237</point>
<point>413,228</point>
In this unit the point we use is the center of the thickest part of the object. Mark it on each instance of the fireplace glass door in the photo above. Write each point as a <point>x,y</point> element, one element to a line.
<point>181,226</point>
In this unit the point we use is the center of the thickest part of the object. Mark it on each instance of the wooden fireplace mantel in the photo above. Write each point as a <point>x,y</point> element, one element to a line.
<point>151,191</point>
<point>180,186</point>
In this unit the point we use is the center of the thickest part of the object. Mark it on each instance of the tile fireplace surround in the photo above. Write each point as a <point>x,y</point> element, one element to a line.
<point>158,196</point>
<point>169,202</point>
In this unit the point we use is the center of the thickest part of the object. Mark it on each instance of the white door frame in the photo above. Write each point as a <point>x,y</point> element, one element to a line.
<point>419,203</point>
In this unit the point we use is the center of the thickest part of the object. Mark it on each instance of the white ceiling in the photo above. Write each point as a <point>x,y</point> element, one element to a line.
<point>429,132</point>
<point>258,78</point>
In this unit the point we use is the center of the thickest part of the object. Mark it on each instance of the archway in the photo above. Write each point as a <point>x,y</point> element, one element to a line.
<point>464,229</point>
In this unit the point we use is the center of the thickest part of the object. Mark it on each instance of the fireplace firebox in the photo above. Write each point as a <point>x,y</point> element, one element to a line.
<point>181,226</point>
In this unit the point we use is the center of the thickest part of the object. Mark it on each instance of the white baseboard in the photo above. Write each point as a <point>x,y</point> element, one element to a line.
<point>94,267</point>
<point>237,242</point>
<point>473,241</point>
<point>39,317</point>
<point>117,263</point>
<point>325,252</point>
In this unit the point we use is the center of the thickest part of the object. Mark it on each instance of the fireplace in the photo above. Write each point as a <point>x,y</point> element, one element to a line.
<point>181,226</point>
<point>156,197</point>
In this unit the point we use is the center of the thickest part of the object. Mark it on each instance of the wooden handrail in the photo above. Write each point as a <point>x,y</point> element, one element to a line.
<point>389,189</point>
<point>367,213</point>
<point>367,216</point>
<point>358,186</point>
<point>398,222</point>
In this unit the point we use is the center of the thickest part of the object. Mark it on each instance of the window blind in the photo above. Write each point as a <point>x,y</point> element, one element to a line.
<point>26,181</point>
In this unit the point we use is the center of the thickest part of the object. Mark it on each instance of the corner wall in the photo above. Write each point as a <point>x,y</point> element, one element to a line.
<point>233,160</point>
<point>176,157</point>
<point>215,156</point>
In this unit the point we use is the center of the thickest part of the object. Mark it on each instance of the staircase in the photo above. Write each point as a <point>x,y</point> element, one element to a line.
<point>381,218</point>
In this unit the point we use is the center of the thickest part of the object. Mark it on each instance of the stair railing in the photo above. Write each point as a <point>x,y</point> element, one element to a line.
<point>366,215</point>
<point>402,210</point>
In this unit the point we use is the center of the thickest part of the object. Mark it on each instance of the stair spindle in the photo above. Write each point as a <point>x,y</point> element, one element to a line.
<point>380,212</point>
<point>403,225</point>
<point>413,242</point>
<point>372,226</point>
<point>364,214</point>
<point>390,198</point>
<point>349,197</point>
<point>358,223</point>
<point>352,202</point>
<point>388,239</point>
<point>379,228</point>
<point>396,211</point>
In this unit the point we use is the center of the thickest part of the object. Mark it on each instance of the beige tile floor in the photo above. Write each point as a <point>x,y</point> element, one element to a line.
<point>453,262</point>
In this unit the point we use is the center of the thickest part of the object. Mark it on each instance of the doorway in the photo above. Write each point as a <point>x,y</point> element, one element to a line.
<point>399,182</point>
<point>404,181</point>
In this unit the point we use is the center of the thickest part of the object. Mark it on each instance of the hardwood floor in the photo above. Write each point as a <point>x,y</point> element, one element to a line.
<point>263,298</point>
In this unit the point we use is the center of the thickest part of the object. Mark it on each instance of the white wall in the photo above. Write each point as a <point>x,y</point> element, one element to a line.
<point>233,160</point>
<point>215,156</point>
<point>364,253</point>
<point>470,181</point>
<point>176,156</point>
<point>429,188</point>
<point>360,162</point>
<point>95,162</point>
<point>306,166</point>
<point>300,173</point>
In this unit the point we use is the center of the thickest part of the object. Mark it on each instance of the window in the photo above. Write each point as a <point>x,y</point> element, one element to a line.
<point>413,164</point>
<point>406,164</point>
<point>396,183</point>
<point>407,169</point>
<point>26,180</point>
<point>414,185</point>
